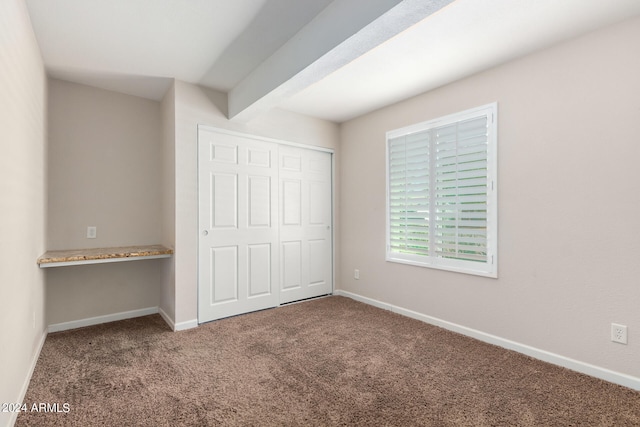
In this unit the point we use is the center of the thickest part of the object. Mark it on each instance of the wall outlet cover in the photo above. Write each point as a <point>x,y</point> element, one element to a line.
<point>618,333</point>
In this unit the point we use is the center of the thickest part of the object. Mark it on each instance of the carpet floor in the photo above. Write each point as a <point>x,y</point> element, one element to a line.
<point>326,362</point>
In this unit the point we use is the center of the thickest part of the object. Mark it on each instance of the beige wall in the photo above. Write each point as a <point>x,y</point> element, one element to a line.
<point>105,167</point>
<point>105,170</point>
<point>168,289</point>
<point>22,201</point>
<point>569,120</point>
<point>195,105</point>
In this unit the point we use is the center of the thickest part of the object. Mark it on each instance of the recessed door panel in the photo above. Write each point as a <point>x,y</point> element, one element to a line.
<point>291,265</point>
<point>291,202</point>
<point>224,153</point>
<point>259,269</point>
<point>319,197</point>
<point>319,164</point>
<point>259,201</point>
<point>318,262</point>
<point>291,162</point>
<point>225,200</point>
<point>259,157</point>
<point>224,284</point>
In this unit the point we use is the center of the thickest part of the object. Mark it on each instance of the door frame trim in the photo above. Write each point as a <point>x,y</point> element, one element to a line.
<point>266,139</point>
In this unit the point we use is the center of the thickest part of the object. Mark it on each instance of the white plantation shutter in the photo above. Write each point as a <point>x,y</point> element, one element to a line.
<point>441,193</point>
<point>409,194</point>
<point>461,190</point>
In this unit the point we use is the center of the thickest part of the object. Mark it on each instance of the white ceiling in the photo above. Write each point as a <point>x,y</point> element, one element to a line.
<point>137,46</point>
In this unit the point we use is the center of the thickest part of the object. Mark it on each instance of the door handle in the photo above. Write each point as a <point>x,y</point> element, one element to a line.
<point>205,232</point>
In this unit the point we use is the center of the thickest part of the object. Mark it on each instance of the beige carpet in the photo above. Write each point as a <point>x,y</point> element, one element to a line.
<point>331,361</point>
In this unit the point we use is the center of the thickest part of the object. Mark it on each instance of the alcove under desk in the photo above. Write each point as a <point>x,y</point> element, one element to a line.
<point>62,258</point>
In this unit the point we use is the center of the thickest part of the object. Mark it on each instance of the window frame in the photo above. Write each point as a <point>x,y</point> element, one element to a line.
<point>490,267</point>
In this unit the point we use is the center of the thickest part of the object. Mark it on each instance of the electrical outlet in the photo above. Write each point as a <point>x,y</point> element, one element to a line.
<point>618,333</point>
<point>92,232</point>
<point>356,274</point>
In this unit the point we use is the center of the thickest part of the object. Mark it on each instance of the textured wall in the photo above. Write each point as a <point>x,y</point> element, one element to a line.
<point>105,167</point>
<point>22,200</point>
<point>105,170</point>
<point>569,120</point>
<point>168,289</point>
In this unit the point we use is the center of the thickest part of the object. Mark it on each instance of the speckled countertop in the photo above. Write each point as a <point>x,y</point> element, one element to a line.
<point>97,254</point>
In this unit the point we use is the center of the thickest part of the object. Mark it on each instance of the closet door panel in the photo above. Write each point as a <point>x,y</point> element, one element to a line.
<point>306,203</point>
<point>238,209</point>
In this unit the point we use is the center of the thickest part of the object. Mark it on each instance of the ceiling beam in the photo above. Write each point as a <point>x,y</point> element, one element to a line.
<point>343,31</point>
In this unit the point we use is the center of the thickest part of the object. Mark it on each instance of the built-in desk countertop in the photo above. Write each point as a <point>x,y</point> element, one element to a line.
<point>101,255</point>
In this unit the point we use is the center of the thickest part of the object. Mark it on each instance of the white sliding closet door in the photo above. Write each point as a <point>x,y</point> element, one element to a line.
<point>238,216</point>
<point>305,224</point>
<point>265,212</point>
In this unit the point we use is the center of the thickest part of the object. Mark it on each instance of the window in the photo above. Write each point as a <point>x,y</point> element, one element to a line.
<point>442,193</point>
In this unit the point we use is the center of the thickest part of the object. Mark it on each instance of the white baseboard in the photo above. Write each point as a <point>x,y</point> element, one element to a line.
<point>57,327</point>
<point>27,380</point>
<point>177,326</point>
<point>167,319</point>
<point>181,326</point>
<point>546,356</point>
